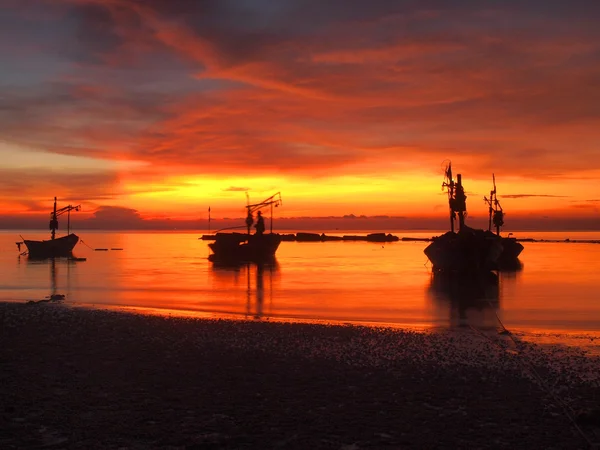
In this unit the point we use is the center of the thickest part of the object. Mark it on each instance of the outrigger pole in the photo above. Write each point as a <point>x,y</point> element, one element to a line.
<point>496,214</point>
<point>56,213</point>
<point>273,200</point>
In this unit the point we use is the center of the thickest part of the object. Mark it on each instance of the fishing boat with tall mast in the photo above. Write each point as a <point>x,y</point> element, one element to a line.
<point>55,247</point>
<point>468,249</point>
<point>247,247</point>
<point>511,249</point>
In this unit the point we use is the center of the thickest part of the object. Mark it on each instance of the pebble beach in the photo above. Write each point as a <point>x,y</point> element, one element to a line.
<point>78,378</point>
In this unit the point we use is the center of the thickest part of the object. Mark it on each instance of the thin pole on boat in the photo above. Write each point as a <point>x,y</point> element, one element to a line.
<point>54,221</point>
<point>60,212</point>
<point>273,200</point>
<point>209,220</point>
<point>449,185</point>
<point>496,215</point>
<point>460,200</point>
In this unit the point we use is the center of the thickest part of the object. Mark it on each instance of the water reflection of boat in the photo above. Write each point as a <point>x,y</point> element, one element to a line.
<point>53,264</point>
<point>55,247</point>
<point>240,247</point>
<point>511,249</point>
<point>471,299</point>
<point>469,249</point>
<point>254,291</point>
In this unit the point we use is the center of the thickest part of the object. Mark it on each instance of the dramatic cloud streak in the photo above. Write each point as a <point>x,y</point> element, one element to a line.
<point>192,99</point>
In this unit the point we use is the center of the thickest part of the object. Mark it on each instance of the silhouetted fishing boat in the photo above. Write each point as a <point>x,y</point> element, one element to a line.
<point>240,247</point>
<point>55,247</point>
<point>511,249</point>
<point>469,249</point>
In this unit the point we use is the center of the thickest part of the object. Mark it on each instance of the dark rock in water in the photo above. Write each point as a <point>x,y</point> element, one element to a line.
<point>308,237</point>
<point>50,298</point>
<point>376,237</point>
<point>381,237</point>
<point>351,237</point>
<point>331,238</point>
<point>288,237</point>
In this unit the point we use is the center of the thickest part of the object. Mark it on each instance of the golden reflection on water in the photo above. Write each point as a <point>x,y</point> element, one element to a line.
<point>358,282</point>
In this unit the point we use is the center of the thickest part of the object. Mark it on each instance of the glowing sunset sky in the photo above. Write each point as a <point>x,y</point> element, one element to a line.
<point>345,106</point>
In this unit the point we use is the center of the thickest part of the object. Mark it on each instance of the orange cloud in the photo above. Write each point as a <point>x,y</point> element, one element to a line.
<point>297,91</point>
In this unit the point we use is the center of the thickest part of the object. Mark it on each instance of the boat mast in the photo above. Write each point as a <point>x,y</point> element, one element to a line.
<point>53,221</point>
<point>59,212</point>
<point>460,202</point>
<point>457,200</point>
<point>448,184</point>
<point>490,208</point>
<point>496,214</point>
<point>273,200</point>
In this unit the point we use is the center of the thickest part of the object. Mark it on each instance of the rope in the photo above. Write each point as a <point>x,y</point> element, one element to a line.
<point>231,228</point>
<point>84,243</point>
<point>568,411</point>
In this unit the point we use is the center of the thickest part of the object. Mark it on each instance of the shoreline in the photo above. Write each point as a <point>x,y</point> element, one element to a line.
<point>578,339</point>
<point>93,378</point>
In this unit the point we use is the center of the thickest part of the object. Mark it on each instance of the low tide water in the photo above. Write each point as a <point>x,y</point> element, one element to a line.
<point>554,295</point>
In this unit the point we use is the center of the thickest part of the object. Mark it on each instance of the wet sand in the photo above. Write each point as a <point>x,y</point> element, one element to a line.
<point>91,379</point>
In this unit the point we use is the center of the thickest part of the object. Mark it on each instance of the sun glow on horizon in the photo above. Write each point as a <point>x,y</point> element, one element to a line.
<point>392,194</point>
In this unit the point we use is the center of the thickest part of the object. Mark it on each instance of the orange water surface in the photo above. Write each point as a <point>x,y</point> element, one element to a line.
<point>555,292</point>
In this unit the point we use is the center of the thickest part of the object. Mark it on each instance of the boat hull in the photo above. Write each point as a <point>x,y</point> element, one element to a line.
<point>237,247</point>
<point>58,247</point>
<point>511,249</point>
<point>471,251</point>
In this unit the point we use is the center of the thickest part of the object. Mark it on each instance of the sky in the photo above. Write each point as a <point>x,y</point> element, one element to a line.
<point>152,110</point>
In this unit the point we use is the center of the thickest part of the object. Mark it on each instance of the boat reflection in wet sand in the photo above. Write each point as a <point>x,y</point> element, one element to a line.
<point>469,249</point>
<point>240,247</point>
<point>55,247</point>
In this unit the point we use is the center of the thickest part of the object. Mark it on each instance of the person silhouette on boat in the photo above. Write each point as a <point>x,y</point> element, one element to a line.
<point>249,221</point>
<point>260,224</point>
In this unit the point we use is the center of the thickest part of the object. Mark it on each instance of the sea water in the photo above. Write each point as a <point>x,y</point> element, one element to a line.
<point>554,294</point>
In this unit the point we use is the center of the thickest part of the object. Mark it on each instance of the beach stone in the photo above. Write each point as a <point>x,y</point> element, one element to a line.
<point>189,383</point>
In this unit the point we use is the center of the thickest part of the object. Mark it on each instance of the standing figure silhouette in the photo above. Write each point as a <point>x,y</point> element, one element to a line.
<point>249,221</point>
<point>260,224</point>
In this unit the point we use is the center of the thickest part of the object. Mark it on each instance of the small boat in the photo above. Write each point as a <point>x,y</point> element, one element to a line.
<point>246,247</point>
<point>511,249</point>
<point>62,246</point>
<point>468,249</point>
<point>55,247</point>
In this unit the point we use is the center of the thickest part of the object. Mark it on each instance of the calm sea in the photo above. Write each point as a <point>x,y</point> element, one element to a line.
<point>554,295</point>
